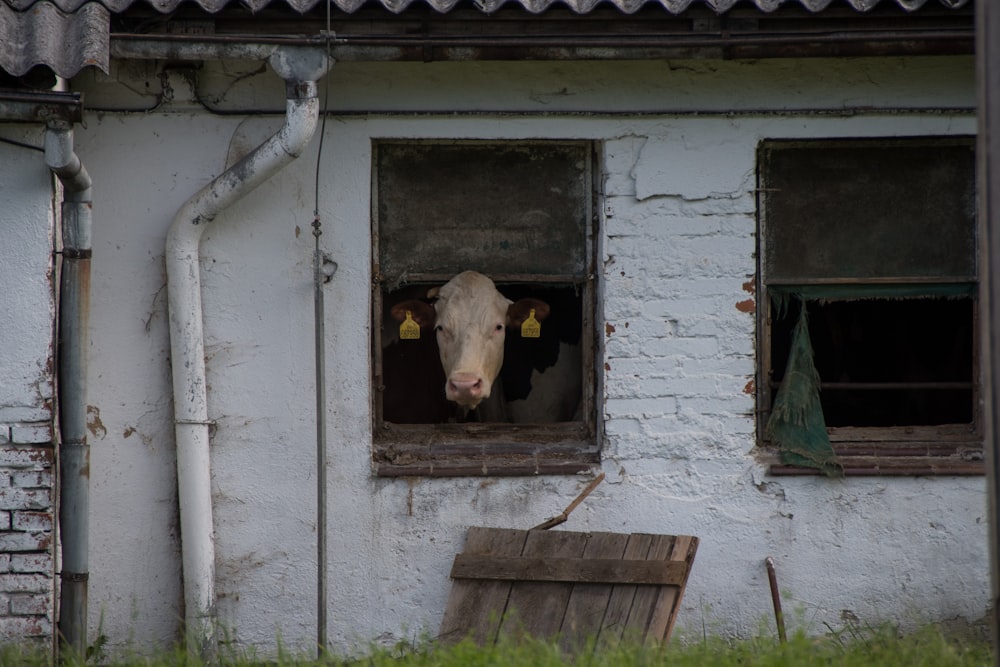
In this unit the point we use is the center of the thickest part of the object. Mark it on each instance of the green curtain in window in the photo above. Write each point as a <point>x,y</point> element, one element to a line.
<point>796,424</point>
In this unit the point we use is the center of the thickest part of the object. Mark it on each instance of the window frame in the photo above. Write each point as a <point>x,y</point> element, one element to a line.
<point>490,449</point>
<point>949,449</point>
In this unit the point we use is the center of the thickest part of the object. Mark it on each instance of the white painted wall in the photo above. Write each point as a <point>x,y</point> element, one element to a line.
<point>678,250</point>
<point>26,342</point>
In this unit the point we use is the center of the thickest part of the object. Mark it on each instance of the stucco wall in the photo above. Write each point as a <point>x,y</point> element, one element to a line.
<point>677,253</point>
<point>27,348</point>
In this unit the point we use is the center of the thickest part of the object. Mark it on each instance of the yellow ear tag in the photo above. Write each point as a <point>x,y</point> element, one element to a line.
<point>408,329</point>
<point>531,328</point>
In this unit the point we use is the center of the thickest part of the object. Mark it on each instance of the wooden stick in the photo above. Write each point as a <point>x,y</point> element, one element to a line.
<point>779,618</point>
<point>556,520</point>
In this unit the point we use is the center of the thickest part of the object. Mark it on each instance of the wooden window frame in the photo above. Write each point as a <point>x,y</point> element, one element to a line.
<point>490,449</point>
<point>949,449</point>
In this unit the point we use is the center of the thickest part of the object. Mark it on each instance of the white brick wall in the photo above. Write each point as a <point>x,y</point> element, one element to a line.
<point>27,586</point>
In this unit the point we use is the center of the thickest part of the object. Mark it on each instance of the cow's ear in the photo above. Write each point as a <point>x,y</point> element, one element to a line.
<point>519,311</point>
<point>422,312</point>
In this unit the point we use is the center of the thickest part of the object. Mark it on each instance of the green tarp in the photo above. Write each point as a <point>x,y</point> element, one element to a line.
<point>796,424</point>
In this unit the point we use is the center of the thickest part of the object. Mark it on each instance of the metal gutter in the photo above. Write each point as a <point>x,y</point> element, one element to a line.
<point>40,107</point>
<point>428,47</point>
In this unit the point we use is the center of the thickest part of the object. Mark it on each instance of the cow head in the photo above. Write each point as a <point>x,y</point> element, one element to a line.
<point>470,318</point>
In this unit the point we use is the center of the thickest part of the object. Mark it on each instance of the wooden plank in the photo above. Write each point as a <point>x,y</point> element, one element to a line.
<point>622,595</point>
<point>475,608</point>
<point>668,601</point>
<point>586,570</point>
<point>588,602</point>
<point>645,596</point>
<point>537,608</point>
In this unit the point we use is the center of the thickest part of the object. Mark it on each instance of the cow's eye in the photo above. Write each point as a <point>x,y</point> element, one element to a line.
<point>499,327</point>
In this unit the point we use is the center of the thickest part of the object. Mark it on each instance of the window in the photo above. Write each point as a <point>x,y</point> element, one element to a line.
<point>867,335</point>
<point>522,214</point>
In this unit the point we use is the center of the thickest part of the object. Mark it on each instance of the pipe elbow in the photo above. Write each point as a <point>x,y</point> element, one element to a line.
<point>298,131</point>
<point>61,159</point>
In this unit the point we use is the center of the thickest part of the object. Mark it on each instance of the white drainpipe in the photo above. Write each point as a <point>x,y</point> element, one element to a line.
<point>300,68</point>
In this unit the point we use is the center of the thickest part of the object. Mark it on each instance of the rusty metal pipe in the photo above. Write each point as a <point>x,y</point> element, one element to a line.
<point>74,450</point>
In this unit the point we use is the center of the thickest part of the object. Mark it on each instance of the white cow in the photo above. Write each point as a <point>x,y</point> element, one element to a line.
<point>470,318</point>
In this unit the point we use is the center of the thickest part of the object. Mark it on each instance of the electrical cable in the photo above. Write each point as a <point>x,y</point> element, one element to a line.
<point>319,279</point>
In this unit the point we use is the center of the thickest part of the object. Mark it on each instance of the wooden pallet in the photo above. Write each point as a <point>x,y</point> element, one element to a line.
<point>566,586</point>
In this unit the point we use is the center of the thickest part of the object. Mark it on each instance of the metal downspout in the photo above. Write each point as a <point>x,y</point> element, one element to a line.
<point>301,69</point>
<point>74,451</point>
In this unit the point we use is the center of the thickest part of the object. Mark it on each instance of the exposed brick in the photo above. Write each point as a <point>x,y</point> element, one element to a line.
<point>36,458</point>
<point>20,414</point>
<point>30,604</point>
<point>27,520</point>
<point>32,562</point>
<point>25,583</point>
<point>12,542</point>
<point>32,479</point>
<point>31,434</point>
<point>18,627</point>
<point>4,520</point>
<point>13,498</point>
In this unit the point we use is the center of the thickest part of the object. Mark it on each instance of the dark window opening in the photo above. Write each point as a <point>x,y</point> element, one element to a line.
<point>883,362</point>
<point>540,381</point>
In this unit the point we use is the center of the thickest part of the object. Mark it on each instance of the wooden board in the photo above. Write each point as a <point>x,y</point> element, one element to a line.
<point>574,588</point>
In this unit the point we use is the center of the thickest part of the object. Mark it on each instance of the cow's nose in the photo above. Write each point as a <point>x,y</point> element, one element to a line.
<point>465,385</point>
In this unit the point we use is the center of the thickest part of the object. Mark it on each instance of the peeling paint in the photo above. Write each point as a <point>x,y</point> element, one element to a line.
<point>703,177</point>
<point>747,306</point>
<point>609,329</point>
<point>750,388</point>
<point>94,423</point>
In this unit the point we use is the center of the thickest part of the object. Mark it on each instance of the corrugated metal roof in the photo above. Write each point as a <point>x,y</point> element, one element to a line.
<point>68,35</point>
<point>44,35</point>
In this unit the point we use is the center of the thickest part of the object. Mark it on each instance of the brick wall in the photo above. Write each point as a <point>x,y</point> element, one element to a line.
<point>27,594</point>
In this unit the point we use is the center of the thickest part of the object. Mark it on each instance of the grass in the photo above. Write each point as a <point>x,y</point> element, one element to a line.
<point>883,648</point>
